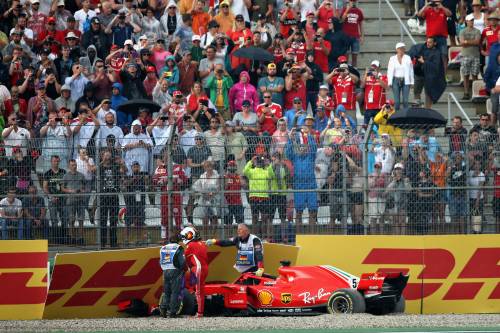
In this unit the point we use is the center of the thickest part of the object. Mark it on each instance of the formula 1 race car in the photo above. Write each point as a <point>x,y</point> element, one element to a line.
<point>307,290</point>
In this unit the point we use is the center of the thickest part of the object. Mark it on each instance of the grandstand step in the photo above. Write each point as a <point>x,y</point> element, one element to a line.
<point>370,10</point>
<point>390,27</point>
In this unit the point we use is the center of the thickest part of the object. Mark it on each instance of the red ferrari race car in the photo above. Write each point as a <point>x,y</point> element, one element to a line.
<point>307,290</point>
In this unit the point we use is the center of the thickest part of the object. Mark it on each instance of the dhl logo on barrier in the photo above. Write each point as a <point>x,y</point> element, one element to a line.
<point>447,273</point>
<point>23,279</point>
<point>91,284</point>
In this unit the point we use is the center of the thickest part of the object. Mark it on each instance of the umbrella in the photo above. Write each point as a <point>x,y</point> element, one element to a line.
<point>254,53</point>
<point>133,106</point>
<point>417,118</point>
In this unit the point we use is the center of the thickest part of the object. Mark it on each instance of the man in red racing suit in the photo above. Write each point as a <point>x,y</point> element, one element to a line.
<point>197,262</point>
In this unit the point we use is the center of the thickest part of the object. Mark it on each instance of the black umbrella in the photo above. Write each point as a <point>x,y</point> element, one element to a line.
<point>133,106</point>
<point>417,118</point>
<point>254,53</point>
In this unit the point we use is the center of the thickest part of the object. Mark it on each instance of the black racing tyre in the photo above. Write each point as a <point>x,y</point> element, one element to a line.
<point>346,301</point>
<point>400,305</point>
<point>189,305</point>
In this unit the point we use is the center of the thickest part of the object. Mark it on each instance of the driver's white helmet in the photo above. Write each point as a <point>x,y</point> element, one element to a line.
<point>188,234</point>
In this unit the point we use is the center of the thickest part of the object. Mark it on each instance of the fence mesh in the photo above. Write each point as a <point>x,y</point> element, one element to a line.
<point>133,190</point>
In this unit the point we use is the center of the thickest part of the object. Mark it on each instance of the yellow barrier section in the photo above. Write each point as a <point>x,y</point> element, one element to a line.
<point>23,279</point>
<point>448,274</point>
<point>90,284</point>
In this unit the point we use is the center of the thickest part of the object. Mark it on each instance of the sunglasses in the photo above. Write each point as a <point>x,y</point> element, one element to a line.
<point>297,103</point>
<point>52,24</point>
<point>267,96</point>
<point>224,6</point>
<point>99,66</point>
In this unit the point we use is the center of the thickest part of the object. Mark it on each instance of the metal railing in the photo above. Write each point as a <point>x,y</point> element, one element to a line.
<point>452,98</point>
<point>402,25</point>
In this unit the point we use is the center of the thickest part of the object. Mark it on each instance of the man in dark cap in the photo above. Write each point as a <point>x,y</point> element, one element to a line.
<point>96,36</point>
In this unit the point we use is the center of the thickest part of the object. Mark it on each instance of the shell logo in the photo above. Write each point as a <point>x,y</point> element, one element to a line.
<point>265,297</point>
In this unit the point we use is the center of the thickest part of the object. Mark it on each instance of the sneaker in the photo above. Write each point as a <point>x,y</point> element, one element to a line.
<point>466,97</point>
<point>198,315</point>
<point>163,312</point>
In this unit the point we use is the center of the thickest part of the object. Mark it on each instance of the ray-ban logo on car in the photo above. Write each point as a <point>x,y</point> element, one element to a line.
<point>310,298</point>
<point>286,298</point>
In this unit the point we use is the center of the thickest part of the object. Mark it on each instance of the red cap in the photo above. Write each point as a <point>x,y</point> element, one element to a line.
<point>114,47</point>
<point>309,12</point>
<point>177,93</point>
<point>290,50</point>
<point>51,20</point>
<point>231,163</point>
<point>203,98</point>
<point>390,102</point>
<point>342,59</point>
<point>151,69</point>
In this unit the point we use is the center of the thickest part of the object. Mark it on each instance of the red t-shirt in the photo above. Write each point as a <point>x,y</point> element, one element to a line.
<point>233,183</point>
<point>352,23</point>
<point>287,23</point>
<point>300,51</point>
<point>61,35</point>
<point>278,54</point>
<point>490,35</point>
<point>54,48</point>
<point>344,92</point>
<point>237,37</point>
<point>436,21</point>
<point>323,15</point>
<point>497,183</point>
<point>320,58</point>
<point>374,93</point>
<point>298,90</point>
<point>269,124</point>
<point>327,103</point>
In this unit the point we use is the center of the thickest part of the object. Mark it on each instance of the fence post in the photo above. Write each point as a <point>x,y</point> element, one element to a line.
<point>97,216</point>
<point>344,195</point>
<point>380,18</point>
<point>170,180</point>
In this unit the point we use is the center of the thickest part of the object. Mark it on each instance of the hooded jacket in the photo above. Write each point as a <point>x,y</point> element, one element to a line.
<point>341,108</point>
<point>99,39</point>
<point>164,20</point>
<point>88,63</point>
<point>174,78</point>
<point>303,162</point>
<point>340,42</point>
<point>242,91</point>
<point>122,119</point>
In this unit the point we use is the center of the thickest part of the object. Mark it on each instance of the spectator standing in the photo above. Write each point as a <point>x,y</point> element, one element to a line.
<point>436,18</point>
<point>65,100</point>
<point>241,91</point>
<point>215,140</point>
<point>97,37</point>
<point>247,123</point>
<point>170,21</point>
<point>352,18</point>
<point>19,171</point>
<point>457,135</point>
<point>161,95</point>
<point>397,196</point>
<point>377,181</point>
<point>121,28</point>
<point>84,128</point>
<point>400,76</point>
<point>268,113</point>
<point>295,116</point>
<point>469,65</point>
<point>15,136</point>
<point>295,85</point>
<point>206,69</point>
<point>159,130</point>
<point>489,36</point>
<point>374,84</point>
<point>487,132</point>
<point>75,204</point>
<point>34,212</point>
<point>136,146</point>
<point>11,213</point>
<point>52,187</point>
<point>76,82</point>
<point>56,134</point>
<point>272,84</point>
<point>132,79</point>
<point>84,15</point>
<point>219,86</point>
<point>385,154</point>
<point>301,151</point>
<point>108,128</point>
<point>111,174</point>
<point>344,84</point>
<point>209,190</point>
<point>314,80</point>
<point>236,145</point>
<point>492,82</point>
<point>188,133</point>
<point>339,40</point>
<point>135,186</point>
<point>188,72</point>
<point>232,193</point>
<point>457,177</point>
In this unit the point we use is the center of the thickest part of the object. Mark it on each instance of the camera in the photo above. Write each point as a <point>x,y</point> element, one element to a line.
<point>260,161</point>
<point>370,73</point>
<point>19,6</point>
<point>220,71</point>
<point>163,117</point>
<point>204,102</point>
<point>433,4</point>
<point>59,119</point>
<point>266,105</point>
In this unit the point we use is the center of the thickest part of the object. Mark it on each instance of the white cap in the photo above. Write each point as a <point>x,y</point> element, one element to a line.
<point>323,86</point>
<point>375,63</point>
<point>143,37</point>
<point>128,42</point>
<point>196,37</point>
<point>71,34</point>
<point>35,1</point>
<point>60,3</point>
<point>136,122</point>
<point>400,44</point>
<point>399,166</point>
<point>469,17</point>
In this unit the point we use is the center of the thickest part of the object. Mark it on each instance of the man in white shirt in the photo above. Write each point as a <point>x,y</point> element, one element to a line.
<point>102,111</point>
<point>10,214</point>
<point>76,82</point>
<point>160,130</point>
<point>15,136</point>
<point>107,128</point>
<point>84,14</point>
<point>136,146</point>
<point>83,128</point>
<point>188,133</point>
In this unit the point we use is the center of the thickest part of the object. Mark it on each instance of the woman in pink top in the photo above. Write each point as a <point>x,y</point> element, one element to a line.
<point>241,91</point>
<point>159,54</point>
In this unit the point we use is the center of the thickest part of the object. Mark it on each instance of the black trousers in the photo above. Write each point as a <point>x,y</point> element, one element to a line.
<point>109,204</point>
<point>173,283</point>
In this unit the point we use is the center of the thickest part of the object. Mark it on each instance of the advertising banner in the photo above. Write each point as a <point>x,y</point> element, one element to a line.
<point>448,274</point>
<point>90,284</point>
<point>23,279</point>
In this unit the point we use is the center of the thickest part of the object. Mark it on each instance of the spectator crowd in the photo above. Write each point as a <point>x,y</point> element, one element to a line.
<point>280,134</point>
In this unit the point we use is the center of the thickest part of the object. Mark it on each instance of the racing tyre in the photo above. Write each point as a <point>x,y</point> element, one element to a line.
<point>346,301</point>
<point>400,305</point>
<point>188,306</point>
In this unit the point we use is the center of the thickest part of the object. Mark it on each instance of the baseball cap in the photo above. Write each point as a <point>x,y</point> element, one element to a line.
<point>239,17</point>
<point>71,19</point>
<point>143,37</point>
<point>271,66</point>
<point>51,20</point>
<point>95,19</point>
<point>136,122</point>
<point>261,16</point>
<point>390,102</point>
<point>150,69</point>
<point>343,66</point>
<point>177,93</point>
<point>469,17</point>
<point>196,37</point>
<point>400,44</point>
<point>35,1</point>
<point>40,85</point>
<point>290,50</point>
<point>246,102</point>
<point>230,123</point>
<point>15,32</point>
<point>375,63</point>
<point>224,3</point>
<point>114,47</point>
<point>324,86</point>
<point>309,12</point>
<point>231,163</point>
<point>342,59</point>
<point>128,42</point>
<point>71,34</point>
<point>60,3</point>
<point>297,99</point>
<point>378,164</point>
<point>399,166</point>
<point>65,87</point>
